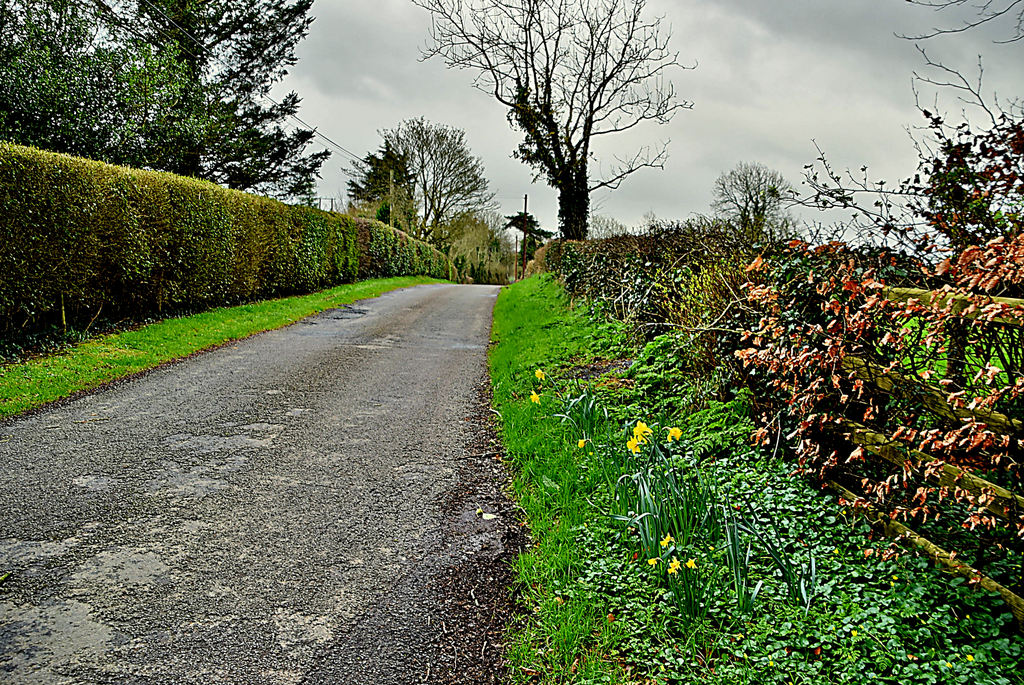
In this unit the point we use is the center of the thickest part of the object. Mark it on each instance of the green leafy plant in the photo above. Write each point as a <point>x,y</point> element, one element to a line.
<point>739,559</point>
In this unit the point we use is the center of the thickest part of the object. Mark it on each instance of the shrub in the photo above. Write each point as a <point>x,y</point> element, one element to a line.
<point>78,237</point>
<point>386,251</point>
<point>682,279</point>
<point>674,274</point>
<point>912,397</point>
<point>903,372</point>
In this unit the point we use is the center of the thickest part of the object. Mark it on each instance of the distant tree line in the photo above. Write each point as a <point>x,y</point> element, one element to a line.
<point>171,85</point>
<point>425,180</point>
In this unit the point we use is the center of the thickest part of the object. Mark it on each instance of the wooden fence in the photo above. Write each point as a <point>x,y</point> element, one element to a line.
<point>997,500</point>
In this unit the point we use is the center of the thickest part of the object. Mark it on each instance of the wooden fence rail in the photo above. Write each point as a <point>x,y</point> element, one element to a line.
<point>904,385</point>
<point>1002,502</point>
<point>996,499</point>
<point>899,531</point>
<point>960,303</point>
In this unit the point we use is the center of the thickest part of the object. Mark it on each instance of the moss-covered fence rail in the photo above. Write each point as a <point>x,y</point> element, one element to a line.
<point>991,497</point>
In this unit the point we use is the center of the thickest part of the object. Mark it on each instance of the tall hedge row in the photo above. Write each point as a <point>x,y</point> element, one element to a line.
<point>385,251</point>
<point>77,235</point>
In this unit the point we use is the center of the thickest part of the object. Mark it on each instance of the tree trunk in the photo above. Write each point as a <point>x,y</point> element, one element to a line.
<point>574,203</point>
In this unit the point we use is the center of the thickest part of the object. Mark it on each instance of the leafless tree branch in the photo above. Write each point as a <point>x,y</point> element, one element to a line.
<point>984,11</point>
<point>568,71</point>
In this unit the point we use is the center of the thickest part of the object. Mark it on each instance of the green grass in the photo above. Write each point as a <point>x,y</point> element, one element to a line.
<point>567,633</point>
<point>34,382</point>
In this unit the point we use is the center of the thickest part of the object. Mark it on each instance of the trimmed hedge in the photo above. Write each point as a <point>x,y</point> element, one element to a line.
<point>77,235</point>
<point>386,251</point>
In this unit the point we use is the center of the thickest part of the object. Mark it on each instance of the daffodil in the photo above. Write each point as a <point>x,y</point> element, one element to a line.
<point>949,665</point>
<point>581,443</point>
<point>692,563</point>
<point>539,374</point>
<point>970,657</point>
<point>642,431</point>
<point>673,567</point>
<point>674,434</point>
<point>534,397</point>
<point>633,445</point>
<point>667,540</point>
<point>853,633</point>
<point>653,562</point>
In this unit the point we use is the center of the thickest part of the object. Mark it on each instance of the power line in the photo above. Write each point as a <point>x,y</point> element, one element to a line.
<point>351,155</point>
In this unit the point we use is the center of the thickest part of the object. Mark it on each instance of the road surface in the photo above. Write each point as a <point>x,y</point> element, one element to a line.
<point>279,510</point>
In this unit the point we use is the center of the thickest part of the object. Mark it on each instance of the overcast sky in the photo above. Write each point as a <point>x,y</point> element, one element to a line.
<point>771,79</point>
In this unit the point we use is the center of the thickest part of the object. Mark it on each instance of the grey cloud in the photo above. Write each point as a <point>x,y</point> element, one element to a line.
<point>772,76</point>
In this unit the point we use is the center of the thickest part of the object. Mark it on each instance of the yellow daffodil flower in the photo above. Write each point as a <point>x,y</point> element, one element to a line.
<point>674,434</point>
<point>673,567</point>
<point>653,562</point>
<point>633,445</point>
<point>949,665</point>
<point>853,632</point>
<point>539,374</point>
<point>970,657</point>
<point>534,397</point>
<point>667,540</point>
<point>641,432</point>
<point>581,443</point>
<point>692,563</point>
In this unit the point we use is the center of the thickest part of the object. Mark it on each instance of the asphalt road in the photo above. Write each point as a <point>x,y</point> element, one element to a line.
<point>274,511</point>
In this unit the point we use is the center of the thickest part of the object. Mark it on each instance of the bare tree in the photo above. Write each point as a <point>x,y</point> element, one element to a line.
<point>982,12</point>
<point>449,181</point>
<point>603,226</point>
<point>754,197</point>
<point>568,71</point>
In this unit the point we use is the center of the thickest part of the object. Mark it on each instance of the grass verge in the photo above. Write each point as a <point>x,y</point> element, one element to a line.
<point>38,381</point>
<point>565,633</point>
<point>691,556</point>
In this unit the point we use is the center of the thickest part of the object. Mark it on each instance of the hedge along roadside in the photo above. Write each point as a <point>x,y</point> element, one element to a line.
<point>77,235</point>
<point>386,252</point>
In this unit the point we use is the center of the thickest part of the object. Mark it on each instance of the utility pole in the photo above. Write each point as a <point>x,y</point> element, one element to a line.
<point>525,197</point>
